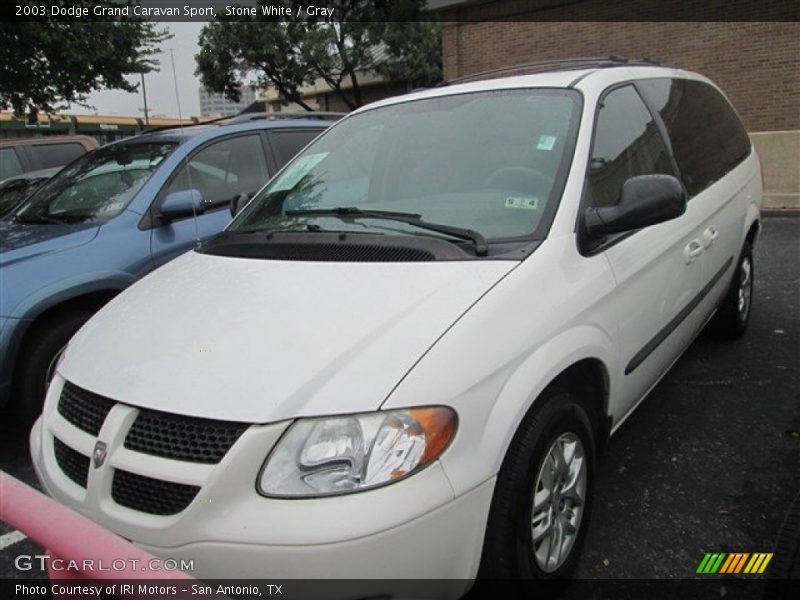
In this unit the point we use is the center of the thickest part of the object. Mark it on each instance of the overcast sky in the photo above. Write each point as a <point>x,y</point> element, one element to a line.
<point>161,98</point>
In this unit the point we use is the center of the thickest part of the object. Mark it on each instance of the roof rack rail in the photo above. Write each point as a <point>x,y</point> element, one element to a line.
<point>597,62</point>
<point>155,129</point>
<point>245,117</point>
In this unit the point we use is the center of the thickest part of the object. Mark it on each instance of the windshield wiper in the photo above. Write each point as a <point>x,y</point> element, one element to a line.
<point>37,220</point>
<point>353,212</point>
<point>57,218</point>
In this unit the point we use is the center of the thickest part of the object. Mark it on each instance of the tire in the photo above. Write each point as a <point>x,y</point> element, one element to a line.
<point>36,357</point>
<point>509,551</point>
<point>784,571</point>
<point>732,318</point>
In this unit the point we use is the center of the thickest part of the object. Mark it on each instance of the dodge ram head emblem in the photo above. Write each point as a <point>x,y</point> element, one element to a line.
<point>99,454</point>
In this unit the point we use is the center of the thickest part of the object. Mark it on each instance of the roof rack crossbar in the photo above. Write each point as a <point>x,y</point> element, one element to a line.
<point>555,65</point>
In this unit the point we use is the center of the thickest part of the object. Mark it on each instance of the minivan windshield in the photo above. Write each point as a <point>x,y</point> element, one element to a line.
<point>490,162</point>
<point>97,186</point>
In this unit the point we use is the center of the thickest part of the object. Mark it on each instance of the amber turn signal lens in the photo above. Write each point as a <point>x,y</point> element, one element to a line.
<point>439,425</point>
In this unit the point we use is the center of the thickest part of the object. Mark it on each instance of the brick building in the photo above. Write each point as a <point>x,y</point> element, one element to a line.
<point>757,64</point>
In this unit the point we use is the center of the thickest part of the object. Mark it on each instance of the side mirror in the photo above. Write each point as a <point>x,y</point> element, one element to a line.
<point>238,202</point>
<point>181,204</point>
<point>645,200</point>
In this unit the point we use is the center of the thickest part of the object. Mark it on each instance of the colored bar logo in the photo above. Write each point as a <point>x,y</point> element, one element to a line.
<point>734,563</point>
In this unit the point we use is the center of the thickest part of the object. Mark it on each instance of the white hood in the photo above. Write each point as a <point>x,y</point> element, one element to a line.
<point>263,340</point>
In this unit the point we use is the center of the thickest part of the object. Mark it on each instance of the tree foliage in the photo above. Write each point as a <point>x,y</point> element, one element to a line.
<point>384,37</point>
<point>46,63</point>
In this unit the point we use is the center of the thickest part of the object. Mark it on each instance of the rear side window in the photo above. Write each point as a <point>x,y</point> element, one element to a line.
<point>288,143</point>
<point>224,169</point>
<point>627,143</point>
<point>707,137</point>
<point>56,155</point>
<point>9,163</point>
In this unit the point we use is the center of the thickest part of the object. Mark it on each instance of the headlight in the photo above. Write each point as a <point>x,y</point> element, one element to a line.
<point>337,455</point>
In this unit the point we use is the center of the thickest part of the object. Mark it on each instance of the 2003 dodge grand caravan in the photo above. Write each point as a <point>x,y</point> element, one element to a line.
<point>401,358</point>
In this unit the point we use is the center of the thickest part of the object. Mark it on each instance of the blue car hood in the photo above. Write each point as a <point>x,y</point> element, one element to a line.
<point>19,241</point>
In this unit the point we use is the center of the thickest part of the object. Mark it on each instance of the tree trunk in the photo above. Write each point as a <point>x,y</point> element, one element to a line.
<point>356,89</point>
<point>351,104</point>
<point>300,101</point>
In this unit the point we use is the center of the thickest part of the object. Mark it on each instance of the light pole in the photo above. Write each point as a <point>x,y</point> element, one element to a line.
<point>144,93</point>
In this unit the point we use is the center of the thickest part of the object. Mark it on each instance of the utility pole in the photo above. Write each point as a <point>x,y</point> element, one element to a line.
<point>144,93</point>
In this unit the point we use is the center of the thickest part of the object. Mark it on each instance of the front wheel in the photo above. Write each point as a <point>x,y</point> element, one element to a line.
<point>37,360</point>
<point>543,495</point>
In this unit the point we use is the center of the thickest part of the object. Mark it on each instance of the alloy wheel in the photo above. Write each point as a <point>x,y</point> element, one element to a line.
<point>745,287</point>
<point>558,502</point>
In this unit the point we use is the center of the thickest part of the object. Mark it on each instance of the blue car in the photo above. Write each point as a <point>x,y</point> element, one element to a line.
<point>111,217</point>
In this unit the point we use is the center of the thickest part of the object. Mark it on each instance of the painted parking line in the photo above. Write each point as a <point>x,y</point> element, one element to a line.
<point>9,539</point>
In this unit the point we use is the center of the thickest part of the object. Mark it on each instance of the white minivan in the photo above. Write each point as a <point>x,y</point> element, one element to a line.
<point>402,357</point>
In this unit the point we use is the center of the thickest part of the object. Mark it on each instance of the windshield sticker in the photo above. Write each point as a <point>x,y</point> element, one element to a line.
<point>546,142</point>
<point>112,207</point>
<point>523,202</point>
<point>297,171</point>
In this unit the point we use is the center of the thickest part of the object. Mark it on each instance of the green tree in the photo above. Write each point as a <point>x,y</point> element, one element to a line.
<point>388,38</point>
<point>46,63</point>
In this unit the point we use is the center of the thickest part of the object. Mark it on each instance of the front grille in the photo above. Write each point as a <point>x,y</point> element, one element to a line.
<point>74,464</point>
<point>153,496</point>
<point>84,409</point>
<point>182,438</point>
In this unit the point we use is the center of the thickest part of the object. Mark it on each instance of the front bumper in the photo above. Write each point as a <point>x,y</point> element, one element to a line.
<point>414,528</point>
<point>443,544</point>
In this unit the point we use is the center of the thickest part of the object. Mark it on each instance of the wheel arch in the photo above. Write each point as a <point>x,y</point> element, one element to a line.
<point>751,228</point>
<point>581,360</point>
<point>589,380</point>
<point>48,310</point>
<point>753,232</point>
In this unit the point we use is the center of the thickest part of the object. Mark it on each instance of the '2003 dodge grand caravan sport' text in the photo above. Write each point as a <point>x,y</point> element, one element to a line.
<point>401,358</point>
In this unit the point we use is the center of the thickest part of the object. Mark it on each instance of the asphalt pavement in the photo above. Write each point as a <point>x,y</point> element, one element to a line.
<point>709,462</point>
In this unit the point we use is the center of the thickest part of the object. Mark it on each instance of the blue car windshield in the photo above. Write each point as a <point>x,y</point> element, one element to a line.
<point>96,187</point>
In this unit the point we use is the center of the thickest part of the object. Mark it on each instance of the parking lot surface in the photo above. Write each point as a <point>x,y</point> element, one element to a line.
<point>710,461</point>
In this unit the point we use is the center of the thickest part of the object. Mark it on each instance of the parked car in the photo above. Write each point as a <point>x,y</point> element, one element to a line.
<point>15,189</point>
<point>111,217</point>
<point>401,359</point>
<point>22,155</point>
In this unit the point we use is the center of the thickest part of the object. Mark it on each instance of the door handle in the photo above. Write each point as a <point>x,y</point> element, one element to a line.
<point>692,250</point>
<point>709,235</point>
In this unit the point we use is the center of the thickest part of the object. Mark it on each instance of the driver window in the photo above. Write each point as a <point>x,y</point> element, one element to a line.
<point>627,143</point>
<point>224,170</point>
